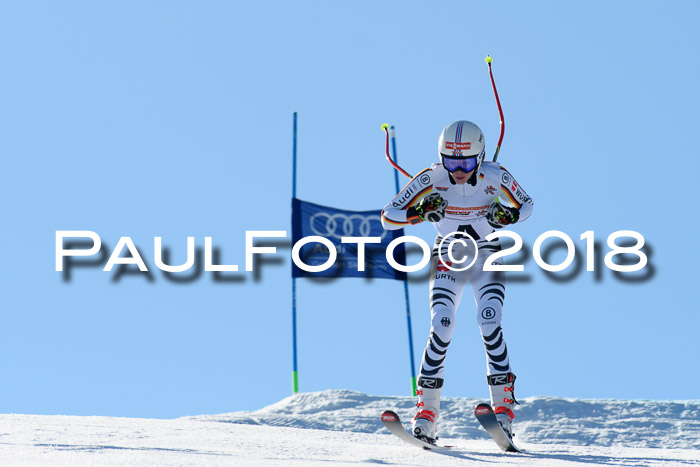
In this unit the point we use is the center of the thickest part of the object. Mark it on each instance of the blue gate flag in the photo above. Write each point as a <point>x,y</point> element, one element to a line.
<point>313,219</point>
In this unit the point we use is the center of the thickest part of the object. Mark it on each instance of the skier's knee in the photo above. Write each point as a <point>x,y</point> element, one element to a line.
<point>443,324</point>
<point>488,317</point>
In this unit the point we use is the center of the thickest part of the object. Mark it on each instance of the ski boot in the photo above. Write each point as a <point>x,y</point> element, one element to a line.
<point>424,423</point>
<point>503,399</point>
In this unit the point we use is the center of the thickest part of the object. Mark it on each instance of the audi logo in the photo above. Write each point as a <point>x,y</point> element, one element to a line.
<point>343,225</point>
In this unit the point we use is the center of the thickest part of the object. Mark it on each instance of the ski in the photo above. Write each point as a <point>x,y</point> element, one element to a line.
<point>484,413</point>
<point>392,422</point>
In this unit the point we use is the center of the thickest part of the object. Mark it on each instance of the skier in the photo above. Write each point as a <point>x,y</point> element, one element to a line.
<point>462,195</point>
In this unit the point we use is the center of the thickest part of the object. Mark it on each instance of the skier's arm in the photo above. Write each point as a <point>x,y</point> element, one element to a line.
<point>513,195</point>
<point>396,214</point>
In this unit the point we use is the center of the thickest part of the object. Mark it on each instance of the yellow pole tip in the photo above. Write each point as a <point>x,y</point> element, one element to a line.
<point>385,126</point>
<point>488,59</point>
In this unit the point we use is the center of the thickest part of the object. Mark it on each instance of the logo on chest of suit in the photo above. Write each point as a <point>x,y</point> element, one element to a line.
<point>489,190</point>
<point>441,188</point>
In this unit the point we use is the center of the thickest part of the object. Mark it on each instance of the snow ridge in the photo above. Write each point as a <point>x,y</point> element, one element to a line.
<point>539,420</point>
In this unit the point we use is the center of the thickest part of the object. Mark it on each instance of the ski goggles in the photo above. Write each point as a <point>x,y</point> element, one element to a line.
<point>452,164</point>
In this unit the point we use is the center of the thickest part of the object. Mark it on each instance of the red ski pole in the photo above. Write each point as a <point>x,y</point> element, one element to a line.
<point>385,127</point>
<point>488,61</point>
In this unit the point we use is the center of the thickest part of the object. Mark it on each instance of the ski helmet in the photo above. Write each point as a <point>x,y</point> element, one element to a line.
<point>461,146</point>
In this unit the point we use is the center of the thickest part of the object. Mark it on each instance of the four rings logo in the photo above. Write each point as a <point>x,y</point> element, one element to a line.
<point>343,225</point>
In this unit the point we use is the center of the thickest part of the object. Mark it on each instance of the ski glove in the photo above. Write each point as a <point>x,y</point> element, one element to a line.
<point>498,215</point>
<point>431,208</point>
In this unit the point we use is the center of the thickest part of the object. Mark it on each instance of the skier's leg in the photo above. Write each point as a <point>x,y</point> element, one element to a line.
<point>446,288</point>
<point>489,294</point>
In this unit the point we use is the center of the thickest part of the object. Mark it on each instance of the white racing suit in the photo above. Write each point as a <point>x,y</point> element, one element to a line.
<point>465,213</point>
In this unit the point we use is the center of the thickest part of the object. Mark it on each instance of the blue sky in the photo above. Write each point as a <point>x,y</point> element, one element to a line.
<point>173,119</point>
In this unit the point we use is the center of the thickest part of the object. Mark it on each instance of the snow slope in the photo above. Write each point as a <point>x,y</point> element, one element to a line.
<point>342,428</point>
<point>539,419</point>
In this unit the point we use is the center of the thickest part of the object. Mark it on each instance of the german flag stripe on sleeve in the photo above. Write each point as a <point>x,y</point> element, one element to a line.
<point>510,196</point>
<point>389,221</point>
<point>418,197</point>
